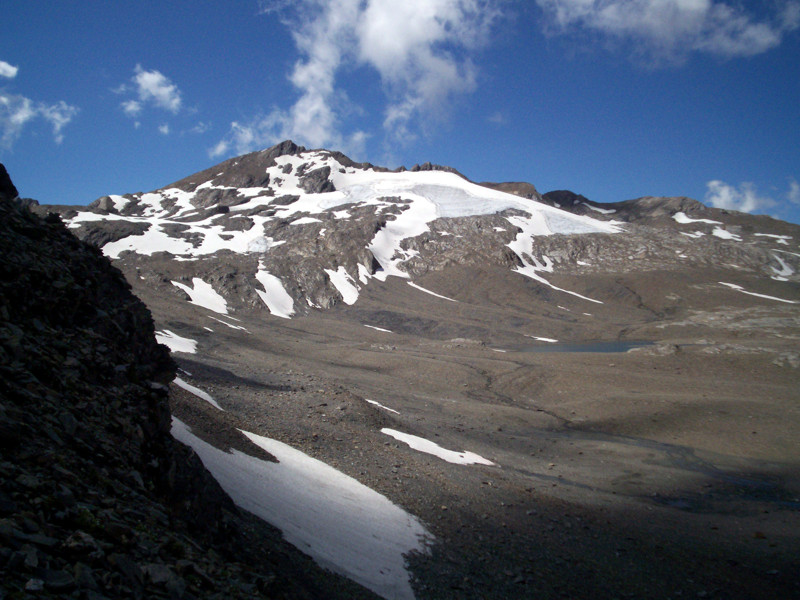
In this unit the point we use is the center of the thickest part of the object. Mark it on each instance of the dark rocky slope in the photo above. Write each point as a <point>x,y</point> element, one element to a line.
<point>96,498</point>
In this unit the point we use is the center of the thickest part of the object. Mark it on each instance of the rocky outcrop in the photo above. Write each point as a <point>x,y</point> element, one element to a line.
<point>97,500</point>
<point>7,189</point>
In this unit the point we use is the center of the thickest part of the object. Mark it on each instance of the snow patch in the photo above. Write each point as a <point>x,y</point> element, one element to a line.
<point>422,289</point>
<point>739,288</point>
<point>725,234</point>
<point>682,218</point>
<point>275,296</point>
<point>202,294</point>
<point>781,239</point>
<point>604,211</point>
<point>378,328</point>
<point>175,342</point>
<point>379,405</point>
<point>197,392</point>
<point>422,445</point>
<point>342,281</point>
<point>238,327</point>
<point>343,525</point>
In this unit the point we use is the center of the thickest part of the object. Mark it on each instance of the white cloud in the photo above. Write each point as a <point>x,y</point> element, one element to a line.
<point>163,129</point>
<point>59,115</point>
<point>497,118</point>
<point>745,198</point>
<point>17,111</point>
<point>151,88</point>
<point>154,86</point>
<point>668,30</point>
<point>794,191</point>
<point>8,71</point>
<point>418,48</point>
<point>131,107</point>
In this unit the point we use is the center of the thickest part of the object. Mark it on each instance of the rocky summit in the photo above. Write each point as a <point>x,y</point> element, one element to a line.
<point>439,388</point>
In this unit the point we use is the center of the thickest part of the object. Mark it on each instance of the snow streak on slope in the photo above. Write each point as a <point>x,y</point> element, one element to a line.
<point>202,294</point>
<point>342,524</point>
<point>278,301</point>
<point>197,392</point>
<point>429,447</point>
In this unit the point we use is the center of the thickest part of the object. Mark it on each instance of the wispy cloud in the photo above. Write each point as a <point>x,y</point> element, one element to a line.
<point>8,71</point>
<point>794,192</point>
<point>744,198</point>
<point>17,111</point>
<point>150,88</point>
<point>669,30</point>
<point>419,50</point>
<point>163,129</point>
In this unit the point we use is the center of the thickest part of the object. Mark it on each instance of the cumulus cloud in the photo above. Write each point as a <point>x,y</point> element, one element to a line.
<point>419,50</point>
<point>151,88</point>
<point>668,30</point>
<point>163,129</point>
<point>8,71</point>
<point>17,111</point>
<point>744,198</point>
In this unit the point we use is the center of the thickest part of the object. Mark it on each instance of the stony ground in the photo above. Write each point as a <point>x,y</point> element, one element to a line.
<point>665,472</point>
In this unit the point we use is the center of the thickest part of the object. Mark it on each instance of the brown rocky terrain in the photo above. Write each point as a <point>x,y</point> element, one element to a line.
<point>630,369</point>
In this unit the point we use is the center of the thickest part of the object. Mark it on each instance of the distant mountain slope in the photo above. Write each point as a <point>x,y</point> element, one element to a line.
<point>293,230</point>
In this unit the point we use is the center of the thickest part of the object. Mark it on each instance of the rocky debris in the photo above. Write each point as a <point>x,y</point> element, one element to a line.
<point>97,500</point>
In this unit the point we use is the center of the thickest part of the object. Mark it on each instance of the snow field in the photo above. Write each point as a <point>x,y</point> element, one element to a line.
<point>343,525</point>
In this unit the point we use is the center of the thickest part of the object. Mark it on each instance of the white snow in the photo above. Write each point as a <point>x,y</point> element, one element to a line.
<point>175,342</point>
<point>682,218</point>
<point>785,270</point>
<point>422,289</point>
<point>693,234</point>
<point>305,221</point>
<point>342,281</point>
<point>203,294</point>
<point>605,211</point>
<point>523,248</point>
<point>277,299</point>
<point>725,234</point>
<point>781,239</point>
<point>378,328</point>
<point>544,339</point>
<point>119,202</point>
<point>379,405</point>
<point>739,288</point>
<point>239,327</point>
<point>343,525</point>
<point>197,392</point>
<point>422,445</point>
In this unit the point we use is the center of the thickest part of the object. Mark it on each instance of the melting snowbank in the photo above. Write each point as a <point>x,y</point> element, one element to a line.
<point>429,447</point>
<point>342,524</point>
<point>203,294</point>
<point>175,342</point>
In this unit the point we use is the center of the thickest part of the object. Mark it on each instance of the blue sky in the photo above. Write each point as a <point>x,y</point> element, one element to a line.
<point>613,99</point>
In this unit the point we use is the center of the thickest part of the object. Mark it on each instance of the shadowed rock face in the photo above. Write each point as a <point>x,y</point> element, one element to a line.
<point>7,189</point>
<point>96,497</point>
